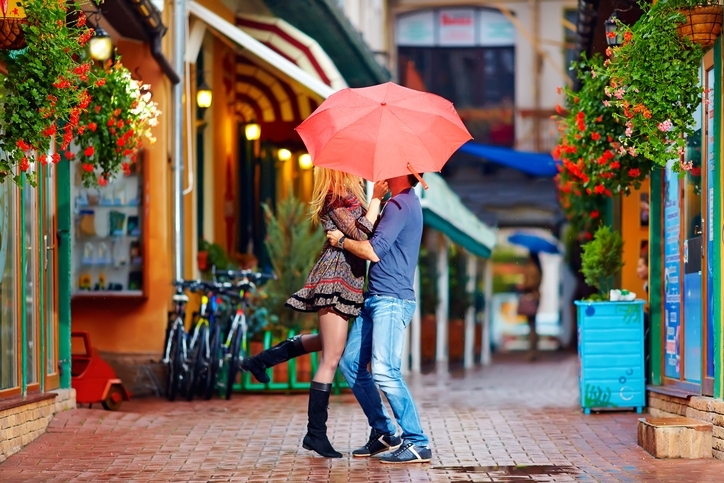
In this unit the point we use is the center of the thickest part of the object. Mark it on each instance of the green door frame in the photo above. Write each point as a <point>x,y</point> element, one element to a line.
<point>64,216</point>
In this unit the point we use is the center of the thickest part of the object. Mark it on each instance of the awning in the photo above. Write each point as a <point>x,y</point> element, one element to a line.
<point>261,52</point>
<point>536,164</point>
<point>326,22</point>
<point>443,211</point>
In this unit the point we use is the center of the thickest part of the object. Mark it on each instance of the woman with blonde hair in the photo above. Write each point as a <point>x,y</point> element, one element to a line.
<point>334,289</point>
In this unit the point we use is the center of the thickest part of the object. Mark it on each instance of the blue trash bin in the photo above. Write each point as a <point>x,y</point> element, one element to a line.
<point>611,370</point>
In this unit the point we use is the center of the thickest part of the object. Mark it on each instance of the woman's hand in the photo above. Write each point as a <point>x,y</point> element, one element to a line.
<point>380,190</point>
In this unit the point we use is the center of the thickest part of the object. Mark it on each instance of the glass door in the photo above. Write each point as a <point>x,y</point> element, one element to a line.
<point>30,287</point>
<point>708,174</point>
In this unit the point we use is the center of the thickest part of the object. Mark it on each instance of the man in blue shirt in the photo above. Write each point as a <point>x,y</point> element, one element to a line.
<point>377,334</point>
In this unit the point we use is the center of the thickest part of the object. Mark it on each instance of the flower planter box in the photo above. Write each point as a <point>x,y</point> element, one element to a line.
<point>428,336</point>
<point>292,376</point>
<point>611,355</point>
<point>456,341</point>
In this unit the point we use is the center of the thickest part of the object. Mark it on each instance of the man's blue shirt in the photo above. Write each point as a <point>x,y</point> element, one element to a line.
<point>396,242</point>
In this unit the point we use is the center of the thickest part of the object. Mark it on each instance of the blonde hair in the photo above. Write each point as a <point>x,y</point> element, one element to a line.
<point>336,182</point>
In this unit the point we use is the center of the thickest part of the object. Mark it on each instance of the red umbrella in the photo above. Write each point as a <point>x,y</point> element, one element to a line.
<point>383,131</point>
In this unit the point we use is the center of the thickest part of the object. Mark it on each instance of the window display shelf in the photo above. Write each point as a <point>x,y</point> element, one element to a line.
<point>109,236</point>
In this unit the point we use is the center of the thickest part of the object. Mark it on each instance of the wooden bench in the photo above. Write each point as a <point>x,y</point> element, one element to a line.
<point>675,437</point>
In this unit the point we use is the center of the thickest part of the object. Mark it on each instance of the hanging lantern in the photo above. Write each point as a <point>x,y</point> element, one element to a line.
<point>12,36</point>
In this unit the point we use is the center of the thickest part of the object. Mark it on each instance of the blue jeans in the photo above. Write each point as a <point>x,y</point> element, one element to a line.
<point>377,336</point>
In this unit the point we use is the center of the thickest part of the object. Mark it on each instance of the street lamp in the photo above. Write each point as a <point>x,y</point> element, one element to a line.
<point>613,36</point>
<point>284,154</point>
<point>204,96</point>
<point>100,45</point>
<point>252,131</point>
<point>305,161</point>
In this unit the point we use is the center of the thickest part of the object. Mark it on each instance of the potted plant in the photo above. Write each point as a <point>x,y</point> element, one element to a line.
<point>44,88</point>
<point>610,331</point>
<point>293,244</point>
<point>460,301</point>
<point>654,86</point>
<point>115,125</point>
<point>594,166</point>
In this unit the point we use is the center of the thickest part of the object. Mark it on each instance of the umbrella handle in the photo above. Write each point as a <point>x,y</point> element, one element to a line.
<point>417,175</point>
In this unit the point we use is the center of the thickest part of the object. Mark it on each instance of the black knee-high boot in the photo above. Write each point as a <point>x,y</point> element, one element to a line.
<point>281,352</point>
<point>316,438</point>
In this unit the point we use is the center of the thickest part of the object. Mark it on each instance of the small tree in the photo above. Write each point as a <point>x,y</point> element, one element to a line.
<point>293,246</point>
<point>601,260</point>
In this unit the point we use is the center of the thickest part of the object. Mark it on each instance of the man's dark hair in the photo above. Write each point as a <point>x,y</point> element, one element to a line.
<point>412,179</point>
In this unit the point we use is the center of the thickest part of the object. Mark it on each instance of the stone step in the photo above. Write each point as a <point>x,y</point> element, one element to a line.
<point>675,437</point>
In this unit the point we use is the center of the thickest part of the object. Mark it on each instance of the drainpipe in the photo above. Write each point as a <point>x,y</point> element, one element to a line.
<point>157,53</point>
<point>179,41</point>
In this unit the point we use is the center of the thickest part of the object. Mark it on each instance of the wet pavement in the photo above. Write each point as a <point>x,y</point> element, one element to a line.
<point>514,421</point>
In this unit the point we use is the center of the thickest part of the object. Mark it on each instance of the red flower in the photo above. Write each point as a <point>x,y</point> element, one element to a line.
<point>595,214</point>
<point>97,109</point>
<point>69,155</point>
<point>56,158</point>
<point>599,190</point>
<point>92,126</point>
<point>102,181</point>
<point>81,20</point>
<point>100,82</point>
<point>121,141</point>
<point>111,122</point>
<point>595,136</point>
<point>611,35</point>
<point>24,164</point>
<point>89,151</point>
<point>43,159</point>
<point>23,145</point>
<point>88,168</point>
<point>634,172</point>
<point>615,165</point>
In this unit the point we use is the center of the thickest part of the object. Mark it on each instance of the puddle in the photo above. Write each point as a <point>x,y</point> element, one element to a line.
<point>512,473</point>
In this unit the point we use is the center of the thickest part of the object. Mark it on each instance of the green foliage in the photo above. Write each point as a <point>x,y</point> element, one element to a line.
<point>428,281</point>
<point>217,256</point>
<point>460,298</point>
<point>654,83</point>
<point>116,124</point>
<point>43,87</point>
<point>602,260</point>
<point>293,246</point>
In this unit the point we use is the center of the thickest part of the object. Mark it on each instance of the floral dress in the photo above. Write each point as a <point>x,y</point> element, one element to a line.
<point>337,279</point>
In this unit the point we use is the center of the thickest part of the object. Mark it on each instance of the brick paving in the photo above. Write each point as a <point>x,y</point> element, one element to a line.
<point>482,424</point>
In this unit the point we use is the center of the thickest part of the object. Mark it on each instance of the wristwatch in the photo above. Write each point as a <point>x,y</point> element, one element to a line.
<point>340,242</point>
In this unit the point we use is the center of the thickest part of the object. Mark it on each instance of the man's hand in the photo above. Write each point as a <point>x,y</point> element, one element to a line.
<point>333,237</point>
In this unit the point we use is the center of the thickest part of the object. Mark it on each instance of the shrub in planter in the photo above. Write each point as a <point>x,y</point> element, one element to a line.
<point>602,260</point>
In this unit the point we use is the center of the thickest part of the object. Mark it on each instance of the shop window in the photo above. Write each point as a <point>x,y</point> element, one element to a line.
<point>570,37</point>
<point>8,307</point>
<point>108,236</point>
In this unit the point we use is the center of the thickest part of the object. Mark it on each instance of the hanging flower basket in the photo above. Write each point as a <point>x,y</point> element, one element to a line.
<point>702,25</point>
<point>12,36</point>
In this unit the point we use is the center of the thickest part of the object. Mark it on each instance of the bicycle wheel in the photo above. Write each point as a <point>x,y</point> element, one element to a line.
<point>201,362</point>
<point>214,362</point>
<point>176,365</point>
<point>193,352</point>
<point>235,351</point>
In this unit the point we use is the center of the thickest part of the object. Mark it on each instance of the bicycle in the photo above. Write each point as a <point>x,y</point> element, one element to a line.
<point>234,347</point>
<point>175,347</point>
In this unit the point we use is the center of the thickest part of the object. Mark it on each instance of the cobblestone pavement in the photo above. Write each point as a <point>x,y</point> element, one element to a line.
<point>513,421</point>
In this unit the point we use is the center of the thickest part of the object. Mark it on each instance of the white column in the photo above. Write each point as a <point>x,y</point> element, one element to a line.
<point>416,331</point>
<point>469,354</point>
<point>488,286</point>
<point>443,305</point>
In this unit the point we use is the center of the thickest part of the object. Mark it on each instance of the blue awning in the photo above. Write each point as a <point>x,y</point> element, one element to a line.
<point>535,164</point>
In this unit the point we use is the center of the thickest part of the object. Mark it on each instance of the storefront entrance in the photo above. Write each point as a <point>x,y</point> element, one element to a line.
<point>688,255</point>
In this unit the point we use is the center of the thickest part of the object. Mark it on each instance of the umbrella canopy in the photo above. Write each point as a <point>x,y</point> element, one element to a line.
<point>376,132</point>
<point>533,243</point>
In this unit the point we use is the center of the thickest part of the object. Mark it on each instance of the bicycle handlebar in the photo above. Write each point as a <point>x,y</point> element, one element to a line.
<point>245,275</point>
